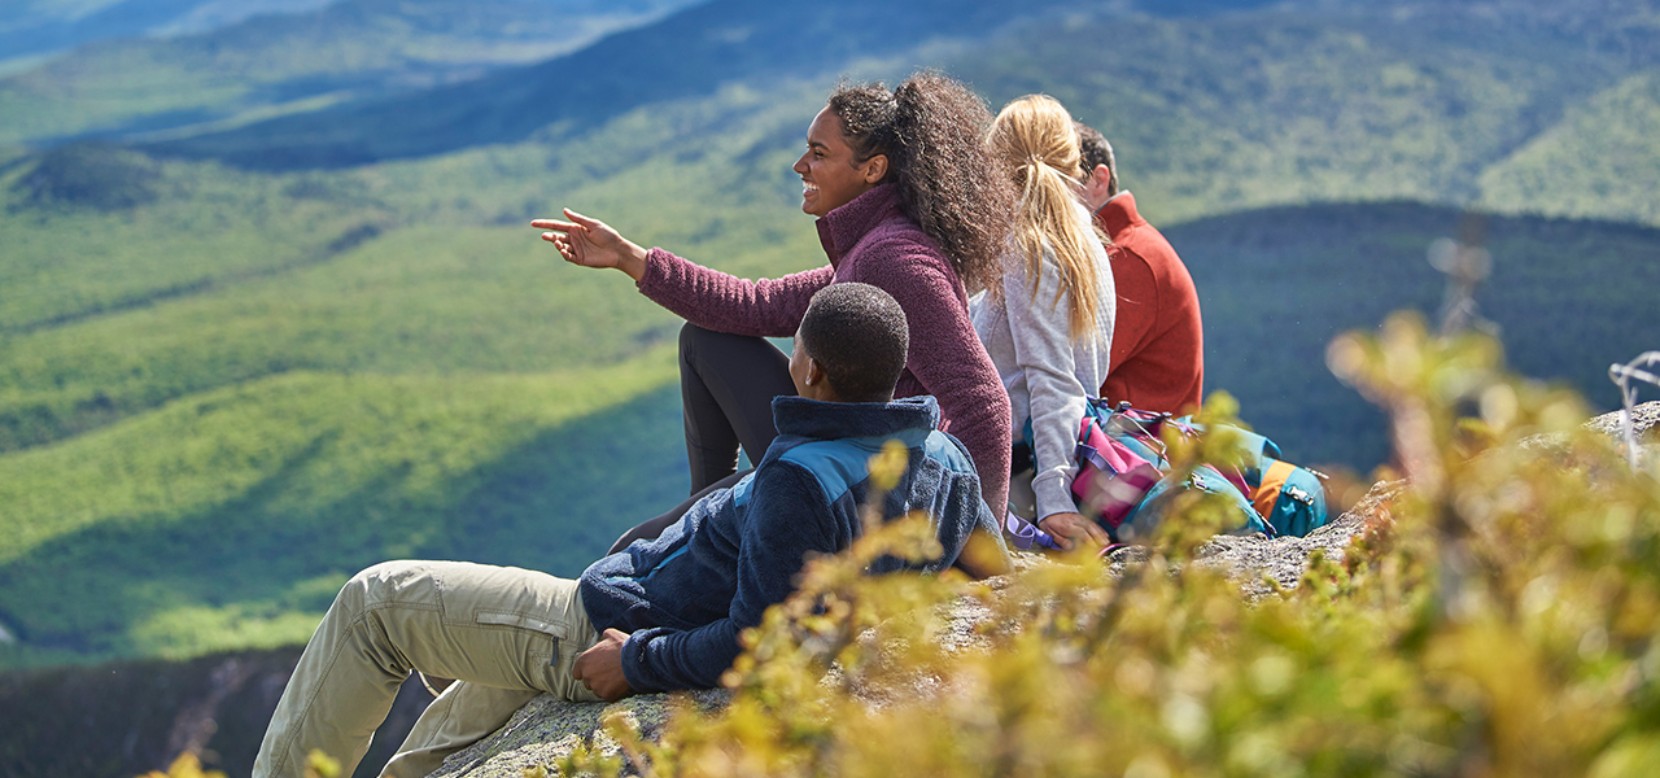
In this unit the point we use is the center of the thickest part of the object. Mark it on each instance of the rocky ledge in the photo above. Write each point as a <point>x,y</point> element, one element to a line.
<point>547,729</point>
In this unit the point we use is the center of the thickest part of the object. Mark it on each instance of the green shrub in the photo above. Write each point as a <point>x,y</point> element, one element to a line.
<point>1498,618</point>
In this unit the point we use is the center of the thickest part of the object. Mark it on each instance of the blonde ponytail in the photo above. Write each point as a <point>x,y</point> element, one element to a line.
<point>1034,138</point>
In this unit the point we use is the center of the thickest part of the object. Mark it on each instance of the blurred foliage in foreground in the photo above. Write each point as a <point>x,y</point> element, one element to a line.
<point>188,765</point>
<point>1502,622</point>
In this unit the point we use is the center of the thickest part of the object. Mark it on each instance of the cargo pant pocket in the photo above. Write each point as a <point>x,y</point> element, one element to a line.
<point>556,632</point>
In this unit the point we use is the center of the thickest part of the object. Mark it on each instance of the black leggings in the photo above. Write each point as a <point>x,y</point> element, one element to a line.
<point>727,383</point>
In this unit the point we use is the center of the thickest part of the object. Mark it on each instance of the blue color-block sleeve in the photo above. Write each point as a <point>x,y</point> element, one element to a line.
<point>788,517</point>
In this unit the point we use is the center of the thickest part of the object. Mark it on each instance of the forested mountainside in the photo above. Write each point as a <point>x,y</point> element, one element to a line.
<point>239,362</point>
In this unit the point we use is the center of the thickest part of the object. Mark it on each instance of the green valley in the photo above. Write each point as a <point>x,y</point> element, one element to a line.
<point>241,360</point>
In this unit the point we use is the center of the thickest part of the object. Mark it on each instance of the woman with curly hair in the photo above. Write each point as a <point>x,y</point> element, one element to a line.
<point>1048,322</point>
<point>906,201</point>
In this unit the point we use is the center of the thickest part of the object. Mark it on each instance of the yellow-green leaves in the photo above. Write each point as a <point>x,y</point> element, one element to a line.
<point>1494,614</point>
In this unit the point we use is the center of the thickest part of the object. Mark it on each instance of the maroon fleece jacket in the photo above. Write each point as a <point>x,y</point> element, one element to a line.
<point>869,240</point>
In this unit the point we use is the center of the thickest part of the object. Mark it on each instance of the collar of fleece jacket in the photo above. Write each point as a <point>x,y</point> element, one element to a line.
<point>842,229</point>
<point>908,418</point>
<point>1119,214</point>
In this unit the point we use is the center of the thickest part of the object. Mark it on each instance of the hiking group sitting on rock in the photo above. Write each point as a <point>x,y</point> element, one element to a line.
<point>993,301</point>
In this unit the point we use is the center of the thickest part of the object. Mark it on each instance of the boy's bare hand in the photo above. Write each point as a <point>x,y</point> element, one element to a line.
<point>600,667</point>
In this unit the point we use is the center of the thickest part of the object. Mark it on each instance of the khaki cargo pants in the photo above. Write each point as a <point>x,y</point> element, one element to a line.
<point>504,633</point>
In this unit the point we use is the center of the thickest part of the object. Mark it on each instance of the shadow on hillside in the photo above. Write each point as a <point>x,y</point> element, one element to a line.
<point>688,55</point>
<point>1278,284</point>
<point>126,718</point>
<point>558,502</point>
<point>554,504</point>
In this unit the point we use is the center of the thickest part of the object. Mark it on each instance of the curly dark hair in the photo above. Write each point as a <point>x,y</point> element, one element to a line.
<point>932,129</point>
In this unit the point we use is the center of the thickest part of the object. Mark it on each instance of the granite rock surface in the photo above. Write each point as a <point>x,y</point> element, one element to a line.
<point>547,728</point>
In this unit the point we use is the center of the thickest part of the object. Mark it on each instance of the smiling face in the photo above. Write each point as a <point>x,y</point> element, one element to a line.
<point>830,174</point>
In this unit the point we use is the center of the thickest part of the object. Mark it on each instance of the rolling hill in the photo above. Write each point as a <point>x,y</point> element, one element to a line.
<point>238,363</point>
<point>1604,151</point>
<point>1567,297</point>
<point>35,28</point>
<point>247,69</point>
<point>690,55</point>
<point>1295,102</point>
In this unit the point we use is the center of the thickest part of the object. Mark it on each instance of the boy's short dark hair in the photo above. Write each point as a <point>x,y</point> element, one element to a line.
<point>1095,150</point>
<point>858,334</point>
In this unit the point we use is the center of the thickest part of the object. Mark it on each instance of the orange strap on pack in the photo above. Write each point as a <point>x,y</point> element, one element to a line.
<point>1273,482</point>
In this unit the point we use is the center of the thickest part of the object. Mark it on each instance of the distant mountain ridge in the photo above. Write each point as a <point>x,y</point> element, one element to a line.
<point>224,387</point>
<point>44,26</point>
<point>253,68</point>
<point>690,54</point>
<point>1340,100</point>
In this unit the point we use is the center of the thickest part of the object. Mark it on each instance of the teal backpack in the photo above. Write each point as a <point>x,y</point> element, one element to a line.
<point>1291,498</point>
<point>1158,502</point>
<point>1124,480</point>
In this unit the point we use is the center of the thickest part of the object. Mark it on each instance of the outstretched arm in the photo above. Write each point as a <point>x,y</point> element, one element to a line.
<point>708,298</point>
<point>714,300</point>
<point>593,243</point>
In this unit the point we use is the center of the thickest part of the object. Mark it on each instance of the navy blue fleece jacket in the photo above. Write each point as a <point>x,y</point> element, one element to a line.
<point>686,594</point>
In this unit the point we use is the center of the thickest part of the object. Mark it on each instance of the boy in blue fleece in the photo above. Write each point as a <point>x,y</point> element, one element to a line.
<point>662,614</point>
